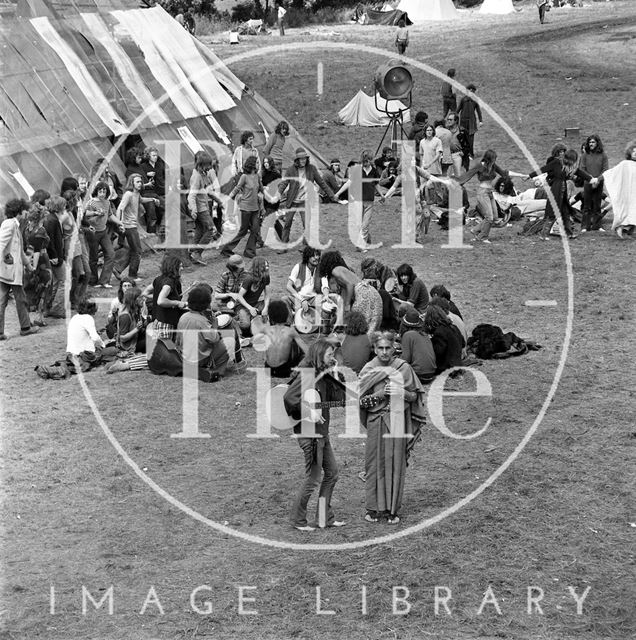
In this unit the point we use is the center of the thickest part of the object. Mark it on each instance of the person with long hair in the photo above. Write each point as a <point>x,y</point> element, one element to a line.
<point>560,167</point>
<point>13,263</point>
<point>431,151</point>
<point>276,143</point>
<point>300,284</point>
<point>128,215</point>
<point>486,171</point>
<point>203,187</point>
<point>594,161</point>
<point>445,336</point>
<point>410,290</point>
<point>101,170</point>
<point>249,188</point>
<point>321,467</point>
<point>357,295</point>
<point>249,301</point>
<point>37,282</point>
<point>99,212</point>
<point>388,379</point>
<point>242,152</point>
<point>167,305</point>
<point>355,347</point>
<point>116,305</point>
<point>292,190</point>
<point>54,207</point>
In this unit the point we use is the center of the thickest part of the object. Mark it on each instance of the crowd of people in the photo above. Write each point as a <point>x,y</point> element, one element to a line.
<point>373,319</point>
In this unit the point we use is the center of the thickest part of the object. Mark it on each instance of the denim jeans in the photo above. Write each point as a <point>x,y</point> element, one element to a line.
<point>319,457</point>
<point>132,258</point>
<point>202,230</point>
<point>102,239</point>
<point>488,208</point>
<point>20,305</point>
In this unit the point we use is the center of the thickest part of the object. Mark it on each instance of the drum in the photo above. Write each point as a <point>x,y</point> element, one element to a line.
<point>304,321</point>
<point>390,284</point>
<point>230,304</point>
<point>224,320</point>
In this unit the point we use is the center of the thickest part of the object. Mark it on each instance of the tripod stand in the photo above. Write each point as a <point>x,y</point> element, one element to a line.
<point>395,125</point>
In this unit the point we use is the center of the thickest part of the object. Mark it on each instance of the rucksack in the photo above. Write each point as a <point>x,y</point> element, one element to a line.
<point>56,371</point>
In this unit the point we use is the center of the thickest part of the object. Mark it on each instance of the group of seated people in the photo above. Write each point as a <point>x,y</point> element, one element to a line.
<point>149,329</point>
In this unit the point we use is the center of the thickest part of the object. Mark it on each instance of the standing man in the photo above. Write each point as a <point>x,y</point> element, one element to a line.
<point>542,4</point>
<point>281,18</point>
<point>449,100</point>
<point>370,186</point>
<point>458,143</point>
<point>469,119</point>
<point>293,190</point>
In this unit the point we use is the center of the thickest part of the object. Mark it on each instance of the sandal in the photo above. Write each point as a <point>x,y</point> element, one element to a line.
<point>393,519</point>
<point>371,517</point>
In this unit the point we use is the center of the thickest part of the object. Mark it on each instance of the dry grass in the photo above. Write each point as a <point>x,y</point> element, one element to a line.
<point>75,514</point>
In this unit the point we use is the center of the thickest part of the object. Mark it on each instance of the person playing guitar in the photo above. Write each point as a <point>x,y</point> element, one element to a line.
<point>321,467</point>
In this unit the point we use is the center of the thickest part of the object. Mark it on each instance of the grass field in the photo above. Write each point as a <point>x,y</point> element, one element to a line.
<point>560,518</point>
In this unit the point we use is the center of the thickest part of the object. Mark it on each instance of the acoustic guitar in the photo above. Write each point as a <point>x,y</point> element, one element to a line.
<point>279,420</point>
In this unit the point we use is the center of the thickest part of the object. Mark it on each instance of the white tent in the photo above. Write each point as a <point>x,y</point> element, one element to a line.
<point>361,111</point>
<point>497,6</point>
<point>426,10</point>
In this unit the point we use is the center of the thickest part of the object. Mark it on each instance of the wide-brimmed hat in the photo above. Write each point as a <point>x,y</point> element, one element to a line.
<point>235,262</point>
<point>300,153</point>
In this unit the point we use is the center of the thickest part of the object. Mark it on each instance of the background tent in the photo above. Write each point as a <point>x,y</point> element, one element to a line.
<point>387,17</point>
<point>497,7</point>
<point>361,111</point>
<point>426,10</point>
<point>72,85</point>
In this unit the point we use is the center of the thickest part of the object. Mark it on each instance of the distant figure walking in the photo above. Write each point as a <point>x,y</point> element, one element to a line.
<point>449,99</point>
<point>402,37</point>
<point>542,4</point>
<point>469,119</point>
<point>281,18</point>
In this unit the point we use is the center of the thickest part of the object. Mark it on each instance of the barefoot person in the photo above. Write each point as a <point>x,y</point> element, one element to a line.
<point>317,451</point>
<point>386,458</point>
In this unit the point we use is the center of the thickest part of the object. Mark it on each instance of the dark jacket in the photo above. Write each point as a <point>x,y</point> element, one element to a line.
<point>447,344</point>
<point>55,248</point>
<point>292,185</point>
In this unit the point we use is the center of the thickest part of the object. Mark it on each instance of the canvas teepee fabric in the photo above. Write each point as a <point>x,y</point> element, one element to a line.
<point>74,83</point>
<point>420,11</point>
<point>361,111</point>
<point>500,7</point>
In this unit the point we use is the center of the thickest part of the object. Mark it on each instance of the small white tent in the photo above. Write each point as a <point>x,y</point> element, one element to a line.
<point>420,11</point>
<point>497,6</point>
<point>361,111</point>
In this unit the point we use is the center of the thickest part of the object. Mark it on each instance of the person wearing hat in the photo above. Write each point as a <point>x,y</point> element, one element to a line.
<point>229,284</point>
<point>417,348</point>
<point>293,190</point>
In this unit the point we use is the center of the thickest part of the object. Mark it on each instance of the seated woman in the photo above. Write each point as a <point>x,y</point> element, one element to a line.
<point>446,339</point>
<point>458,323</point>
<point>410,290</point>
<point>506,197</point>
<point>116,305</point>
<point>82,340</point>
<point>249,302</point>
<point>441,291</point>
<point>284,347</point>
<point>167,305</point>
<point>417,347</point>
<point>205,349</point>
<point>355,348</point>
<point>377,274</point>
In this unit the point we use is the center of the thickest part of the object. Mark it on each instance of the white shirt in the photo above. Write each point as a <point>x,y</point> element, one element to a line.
<point>306,288</point>
<point>81,334</point>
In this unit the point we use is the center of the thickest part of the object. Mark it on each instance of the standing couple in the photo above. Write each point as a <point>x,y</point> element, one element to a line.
<point>382,381</point>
